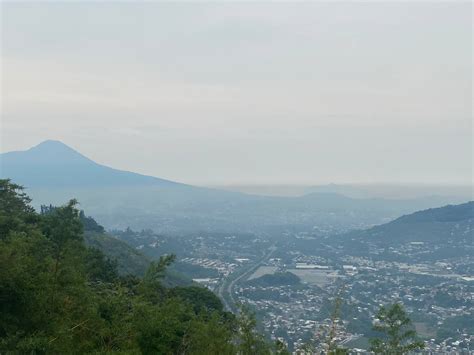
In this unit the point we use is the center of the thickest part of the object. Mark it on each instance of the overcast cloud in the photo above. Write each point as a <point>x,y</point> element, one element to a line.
<point>246,92</point>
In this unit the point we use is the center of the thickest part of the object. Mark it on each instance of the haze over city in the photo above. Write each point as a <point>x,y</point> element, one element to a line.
<point>236,178</point>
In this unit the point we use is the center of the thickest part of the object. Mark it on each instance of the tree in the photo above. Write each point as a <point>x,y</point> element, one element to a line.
<point>98,267</point>
<point>151,287</point>
<point>58,296</point>
<point>89,223</point>
<point>200,298</point>
<point>15,212</point>
<point>44,298</point>
<point>213,336</point>
<point>326,338</point>
<point>63,228</point>
<point>332,347</point>
<point>250,342</point>
<point>161,328</point>
<point>280,348</point>
<point>399,336</point>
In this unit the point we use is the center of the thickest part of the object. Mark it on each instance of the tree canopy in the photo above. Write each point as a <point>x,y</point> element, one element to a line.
<point>398,335</point>
<point>59,296</point>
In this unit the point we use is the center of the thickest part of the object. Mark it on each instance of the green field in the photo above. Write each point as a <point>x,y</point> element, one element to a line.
<point>424,330</point>
<point>319,278</point>
<point>263,270</point>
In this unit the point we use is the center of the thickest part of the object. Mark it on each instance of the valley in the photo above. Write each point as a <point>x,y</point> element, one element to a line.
<point>303,264</point>
<point>433,279</point>
<point>236,177</point>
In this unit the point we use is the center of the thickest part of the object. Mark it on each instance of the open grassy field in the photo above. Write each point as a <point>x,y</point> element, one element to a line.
<point>319,278</point>
<point>263,270</point>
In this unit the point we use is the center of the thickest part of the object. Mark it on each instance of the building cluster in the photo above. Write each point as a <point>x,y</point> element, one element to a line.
<point>437,295</point>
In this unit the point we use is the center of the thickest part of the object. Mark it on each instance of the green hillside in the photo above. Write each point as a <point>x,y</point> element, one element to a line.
<point>436,225</point>
<point>440,232</point>
<point>60,296</point>
<point>129,260</point>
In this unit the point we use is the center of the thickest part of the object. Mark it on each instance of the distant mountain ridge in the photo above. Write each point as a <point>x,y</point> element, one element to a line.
<point>435,225</point>
<point>53,173</point>
<point>52,163</point>
<point>449,213</point>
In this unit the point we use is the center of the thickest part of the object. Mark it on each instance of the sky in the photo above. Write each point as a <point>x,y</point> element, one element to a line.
<point>245,92</point>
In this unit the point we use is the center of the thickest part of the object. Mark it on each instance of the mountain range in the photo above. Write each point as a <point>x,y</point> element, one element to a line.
<point>434,225</point>
<point>430,235</point>
<point>54,164</point>
<point>53,173</point>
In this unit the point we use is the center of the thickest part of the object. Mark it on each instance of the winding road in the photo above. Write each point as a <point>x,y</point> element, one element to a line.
<point>225,290</point>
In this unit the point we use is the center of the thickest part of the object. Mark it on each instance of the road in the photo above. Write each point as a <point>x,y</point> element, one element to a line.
<point>226,288</point>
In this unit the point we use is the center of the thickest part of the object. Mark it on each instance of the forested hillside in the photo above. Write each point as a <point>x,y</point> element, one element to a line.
<point>58,295</point>
<point>431,235</point>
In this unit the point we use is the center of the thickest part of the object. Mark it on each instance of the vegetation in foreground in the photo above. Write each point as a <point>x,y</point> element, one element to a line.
<point>398,334</point>
<point>57,295</point>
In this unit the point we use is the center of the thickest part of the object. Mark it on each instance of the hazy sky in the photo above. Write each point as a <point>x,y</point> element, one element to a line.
<point>245,92</point>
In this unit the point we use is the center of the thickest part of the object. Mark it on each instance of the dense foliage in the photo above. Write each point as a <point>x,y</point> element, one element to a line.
<point>58,295</point>
<point>398,335</point>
